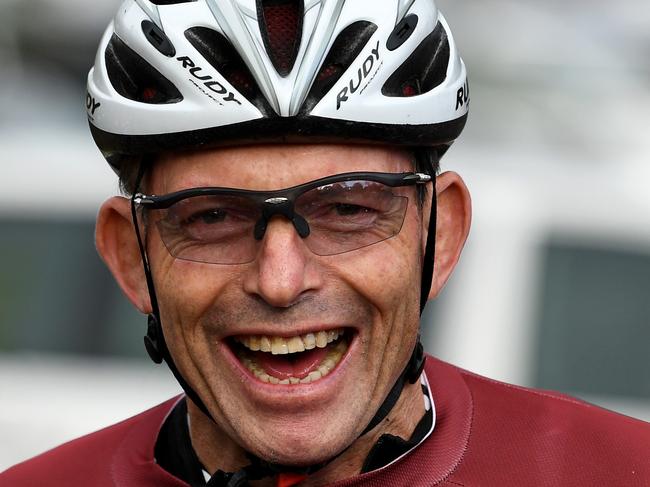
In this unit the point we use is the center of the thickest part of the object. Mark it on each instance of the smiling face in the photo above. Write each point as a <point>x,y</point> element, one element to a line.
<point>338,329</point>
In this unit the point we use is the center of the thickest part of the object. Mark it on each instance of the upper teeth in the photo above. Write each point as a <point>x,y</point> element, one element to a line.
<point>281,345</point>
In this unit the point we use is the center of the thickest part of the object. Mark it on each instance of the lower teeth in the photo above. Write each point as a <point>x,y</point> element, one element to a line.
<point>331,360</point>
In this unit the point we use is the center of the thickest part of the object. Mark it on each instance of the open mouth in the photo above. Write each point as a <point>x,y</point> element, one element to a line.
<point>299,359</point>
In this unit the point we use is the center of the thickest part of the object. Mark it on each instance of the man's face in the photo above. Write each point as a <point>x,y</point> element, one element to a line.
<point>212,315</point>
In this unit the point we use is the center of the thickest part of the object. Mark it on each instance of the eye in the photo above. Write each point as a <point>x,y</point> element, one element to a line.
<point>346,209</point>
<point>215,215</point>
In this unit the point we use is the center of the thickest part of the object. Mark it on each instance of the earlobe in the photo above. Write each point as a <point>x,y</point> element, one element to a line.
<point>117,245</point>
<point>454,218</point>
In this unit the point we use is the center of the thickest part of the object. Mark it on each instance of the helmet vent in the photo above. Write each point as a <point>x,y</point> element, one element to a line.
<point>345,49</point>
<point>220,53</point>
<point>136,79</point>
<point>281,27</point>
<point>424,69</point>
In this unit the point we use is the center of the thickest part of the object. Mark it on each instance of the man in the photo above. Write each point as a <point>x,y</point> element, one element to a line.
<point>283,233</point>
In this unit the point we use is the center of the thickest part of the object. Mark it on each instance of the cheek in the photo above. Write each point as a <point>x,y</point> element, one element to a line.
<point>186,290</point>
<point>387,274</point>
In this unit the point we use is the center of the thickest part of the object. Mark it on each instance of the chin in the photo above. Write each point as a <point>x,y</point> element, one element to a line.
<point>300,447</point>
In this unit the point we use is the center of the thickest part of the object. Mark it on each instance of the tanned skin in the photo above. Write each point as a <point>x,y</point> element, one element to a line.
<point>287,290</point>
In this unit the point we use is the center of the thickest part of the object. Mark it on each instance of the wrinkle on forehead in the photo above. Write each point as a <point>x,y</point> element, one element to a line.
<point>267,167</point>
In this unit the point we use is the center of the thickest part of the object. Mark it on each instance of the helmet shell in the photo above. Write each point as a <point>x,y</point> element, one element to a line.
<point>187,75</point>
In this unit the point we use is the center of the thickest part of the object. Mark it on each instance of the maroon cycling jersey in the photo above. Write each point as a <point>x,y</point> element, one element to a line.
<point>487,433</point>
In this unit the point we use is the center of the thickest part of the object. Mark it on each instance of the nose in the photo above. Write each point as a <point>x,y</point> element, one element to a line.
<point>284,270</point>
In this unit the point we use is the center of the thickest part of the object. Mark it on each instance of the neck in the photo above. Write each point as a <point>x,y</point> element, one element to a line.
<point>217,451</point>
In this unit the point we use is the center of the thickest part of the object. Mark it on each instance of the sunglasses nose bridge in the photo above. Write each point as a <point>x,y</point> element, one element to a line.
<point>280,206</point>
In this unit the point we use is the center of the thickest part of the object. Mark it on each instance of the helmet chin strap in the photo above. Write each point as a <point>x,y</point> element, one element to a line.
<point>154,342</point>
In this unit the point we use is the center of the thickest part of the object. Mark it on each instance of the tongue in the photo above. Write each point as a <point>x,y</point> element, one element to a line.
<point>297,365</point>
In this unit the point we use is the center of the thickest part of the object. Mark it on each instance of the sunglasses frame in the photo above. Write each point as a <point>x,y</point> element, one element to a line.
<point>281,201</point>
<point>275,197</point>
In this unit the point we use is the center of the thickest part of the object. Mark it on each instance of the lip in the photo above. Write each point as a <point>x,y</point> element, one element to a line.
<point>289,397</point>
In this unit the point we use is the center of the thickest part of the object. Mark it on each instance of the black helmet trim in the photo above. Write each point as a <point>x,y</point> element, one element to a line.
<point>280,130</point>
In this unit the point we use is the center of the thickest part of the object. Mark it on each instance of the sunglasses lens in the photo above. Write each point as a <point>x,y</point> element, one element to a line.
<point>337,218</point>
<point>212,229</point>
<point>349,215</point>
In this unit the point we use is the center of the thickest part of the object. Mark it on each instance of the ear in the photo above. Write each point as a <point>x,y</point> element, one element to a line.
<point>454,218</point>
<point>117,245</point>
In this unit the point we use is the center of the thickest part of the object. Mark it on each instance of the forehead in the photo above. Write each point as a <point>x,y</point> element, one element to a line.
<point>265,167</point>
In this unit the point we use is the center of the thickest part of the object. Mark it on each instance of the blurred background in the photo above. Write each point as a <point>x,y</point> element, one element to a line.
<point>553,290</point>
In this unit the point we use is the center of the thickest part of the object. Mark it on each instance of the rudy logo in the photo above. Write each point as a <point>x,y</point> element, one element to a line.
<point>462,96</point>
<point>91,104</point>
<point>208,81</point>
<point>362,73</point>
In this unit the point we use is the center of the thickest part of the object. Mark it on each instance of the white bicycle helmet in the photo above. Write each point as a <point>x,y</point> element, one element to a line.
<point>187,74</point>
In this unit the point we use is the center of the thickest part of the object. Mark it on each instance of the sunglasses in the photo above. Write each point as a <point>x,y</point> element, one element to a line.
<point>332,215</point>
